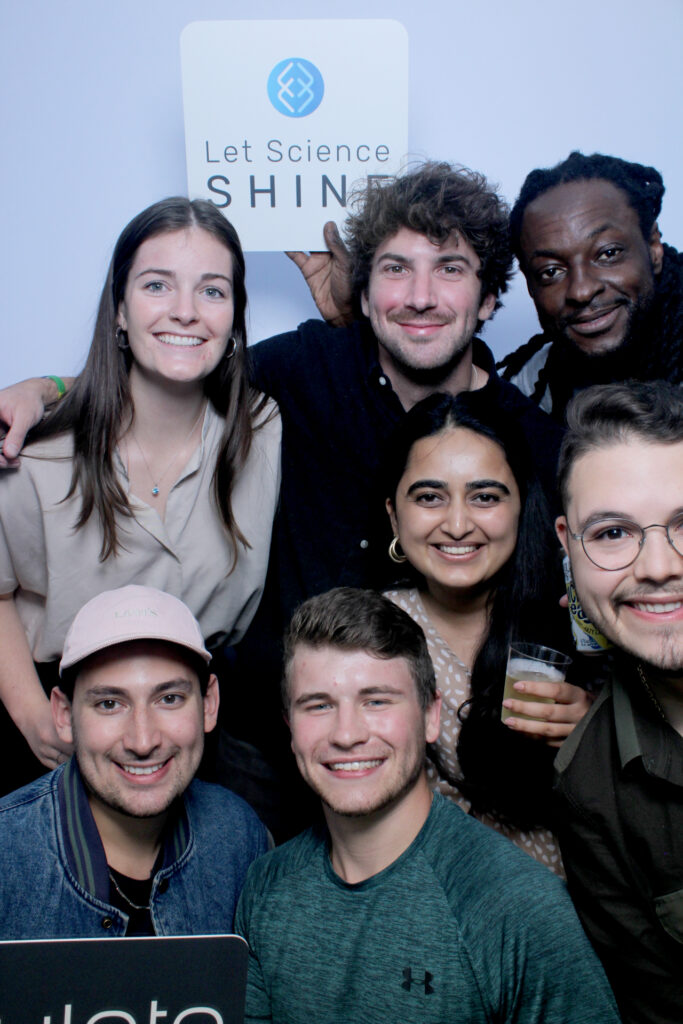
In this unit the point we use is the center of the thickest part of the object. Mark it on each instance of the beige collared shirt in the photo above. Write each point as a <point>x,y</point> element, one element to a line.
<point>53,569</point>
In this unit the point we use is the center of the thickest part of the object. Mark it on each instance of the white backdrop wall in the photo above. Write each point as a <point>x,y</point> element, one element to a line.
<point>91,129</point>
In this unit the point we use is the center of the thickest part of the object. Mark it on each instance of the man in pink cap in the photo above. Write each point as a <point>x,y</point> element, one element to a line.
<point>122,840</point>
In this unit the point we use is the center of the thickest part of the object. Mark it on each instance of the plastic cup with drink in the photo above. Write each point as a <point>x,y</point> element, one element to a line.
<point>532,663</point>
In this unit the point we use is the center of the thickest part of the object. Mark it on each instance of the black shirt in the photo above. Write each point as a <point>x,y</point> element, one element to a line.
<point>132,896</point>
<point>619,788</point>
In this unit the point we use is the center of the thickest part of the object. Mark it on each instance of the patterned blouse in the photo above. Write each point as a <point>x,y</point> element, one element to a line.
<point>453,680</point>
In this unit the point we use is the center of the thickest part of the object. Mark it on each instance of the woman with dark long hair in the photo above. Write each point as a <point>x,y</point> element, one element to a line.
<point>161,466</point>
<point>479,562</point>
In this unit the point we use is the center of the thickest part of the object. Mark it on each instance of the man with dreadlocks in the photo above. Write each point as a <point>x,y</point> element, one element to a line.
<point>608,292</point>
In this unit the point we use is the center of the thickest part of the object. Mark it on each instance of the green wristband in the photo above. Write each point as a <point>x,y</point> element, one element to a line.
<point>59,384</point>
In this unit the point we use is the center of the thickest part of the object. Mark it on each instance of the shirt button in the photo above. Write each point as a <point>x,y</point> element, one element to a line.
<point>364,544</point>
<point>163,885</point>
<point>107,923</point>
<point>383,381</point>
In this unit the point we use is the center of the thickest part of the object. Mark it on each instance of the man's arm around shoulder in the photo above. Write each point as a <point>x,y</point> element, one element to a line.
<point>22,406</point>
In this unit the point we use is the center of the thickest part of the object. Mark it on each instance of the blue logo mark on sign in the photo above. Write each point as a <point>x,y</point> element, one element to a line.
<point>295,87</point>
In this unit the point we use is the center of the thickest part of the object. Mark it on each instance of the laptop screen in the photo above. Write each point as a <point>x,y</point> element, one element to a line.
<point>197,980</point>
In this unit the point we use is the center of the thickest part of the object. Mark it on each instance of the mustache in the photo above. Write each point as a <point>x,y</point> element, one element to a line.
<point>406,316</point>
<point>674,591</point>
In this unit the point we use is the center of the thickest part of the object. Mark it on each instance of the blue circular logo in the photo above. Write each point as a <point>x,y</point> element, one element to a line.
<point>295,87</point>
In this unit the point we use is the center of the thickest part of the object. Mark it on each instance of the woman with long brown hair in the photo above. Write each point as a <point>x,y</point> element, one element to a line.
<point>478,570</point>
<point>161,466</point>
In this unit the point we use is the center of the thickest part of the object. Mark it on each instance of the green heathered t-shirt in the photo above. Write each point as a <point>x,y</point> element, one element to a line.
<point>463,927</point>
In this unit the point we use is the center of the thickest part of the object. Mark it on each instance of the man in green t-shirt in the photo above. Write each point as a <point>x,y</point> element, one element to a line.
<point>403,909</point>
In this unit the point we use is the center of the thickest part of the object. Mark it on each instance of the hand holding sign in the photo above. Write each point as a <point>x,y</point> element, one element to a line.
<point>328,275</point>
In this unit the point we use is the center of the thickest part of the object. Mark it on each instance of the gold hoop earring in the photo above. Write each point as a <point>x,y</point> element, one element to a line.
<point>394,553</point>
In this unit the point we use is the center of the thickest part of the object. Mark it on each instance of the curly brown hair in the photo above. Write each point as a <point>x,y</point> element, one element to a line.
<point>436,199</point>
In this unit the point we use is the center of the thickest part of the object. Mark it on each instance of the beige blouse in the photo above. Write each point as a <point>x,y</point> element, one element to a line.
<point>53,569</point>
<point>453,680</point>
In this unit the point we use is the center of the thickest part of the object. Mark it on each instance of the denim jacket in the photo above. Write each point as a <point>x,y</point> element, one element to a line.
<point>54,880</point>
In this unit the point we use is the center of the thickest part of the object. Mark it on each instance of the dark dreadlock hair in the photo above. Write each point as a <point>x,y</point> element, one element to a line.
<point>643,186</point>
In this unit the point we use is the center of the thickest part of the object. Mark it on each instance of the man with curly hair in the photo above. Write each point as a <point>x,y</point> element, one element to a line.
<point>608,292</point>
<point>430,258</point>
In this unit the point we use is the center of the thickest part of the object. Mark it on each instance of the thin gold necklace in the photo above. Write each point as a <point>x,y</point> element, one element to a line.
<point>155,483</point>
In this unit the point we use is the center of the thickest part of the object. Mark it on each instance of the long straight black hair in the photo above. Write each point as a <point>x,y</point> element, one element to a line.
<point>100,401</point>
<point>502,772</point>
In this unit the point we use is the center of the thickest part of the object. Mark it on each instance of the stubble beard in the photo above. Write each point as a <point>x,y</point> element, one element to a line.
<point>668,641</point>
<point>669,657</point>
<point>430,377</point>
<point>108,797</point>
<point>113,802</point>
<point>627,352</point>
<point>388,798</point>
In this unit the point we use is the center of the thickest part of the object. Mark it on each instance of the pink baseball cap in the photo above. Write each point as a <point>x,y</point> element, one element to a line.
<point>131,613</point>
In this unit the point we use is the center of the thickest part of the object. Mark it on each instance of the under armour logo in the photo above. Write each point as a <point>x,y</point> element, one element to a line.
<point>409,981</point>
<point>295,87</point>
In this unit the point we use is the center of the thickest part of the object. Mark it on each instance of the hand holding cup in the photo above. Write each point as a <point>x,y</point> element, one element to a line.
<point>536,699</point>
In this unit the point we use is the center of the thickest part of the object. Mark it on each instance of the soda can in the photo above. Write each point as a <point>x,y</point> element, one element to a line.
<point>587,638</point>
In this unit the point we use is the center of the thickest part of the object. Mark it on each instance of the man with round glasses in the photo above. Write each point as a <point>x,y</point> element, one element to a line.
<point>614,543</point>
<point>620,775</point>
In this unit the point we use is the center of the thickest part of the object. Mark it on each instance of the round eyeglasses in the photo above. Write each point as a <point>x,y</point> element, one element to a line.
<point>616,543</point>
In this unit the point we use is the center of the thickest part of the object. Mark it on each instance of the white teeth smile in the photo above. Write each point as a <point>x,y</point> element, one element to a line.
<point>659,609</point>
<point>452,549</point>
<point>353,766</point>
<point>133,769</point>
<point>180,340</point>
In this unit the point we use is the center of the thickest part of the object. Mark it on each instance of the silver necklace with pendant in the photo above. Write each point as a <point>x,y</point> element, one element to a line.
<point>155,483</point>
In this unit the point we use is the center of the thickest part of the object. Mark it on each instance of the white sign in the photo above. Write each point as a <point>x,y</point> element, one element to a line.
<point>283,118</point>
